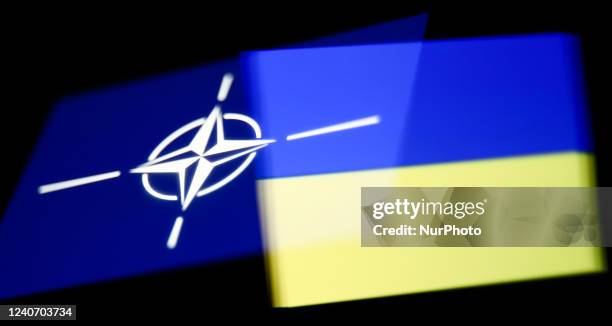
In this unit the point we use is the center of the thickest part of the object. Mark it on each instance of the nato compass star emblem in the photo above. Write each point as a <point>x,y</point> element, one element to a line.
<point>203,155</point>
<point>208,149</point>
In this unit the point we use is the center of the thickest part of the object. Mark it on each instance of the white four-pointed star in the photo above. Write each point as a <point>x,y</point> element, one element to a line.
<point>200,153</point>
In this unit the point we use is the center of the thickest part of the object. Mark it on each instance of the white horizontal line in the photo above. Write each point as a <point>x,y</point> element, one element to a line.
<point>363,122</point>
<point>77,182</point>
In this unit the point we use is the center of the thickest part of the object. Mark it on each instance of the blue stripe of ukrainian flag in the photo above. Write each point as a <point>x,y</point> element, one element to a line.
<point>482,112</point>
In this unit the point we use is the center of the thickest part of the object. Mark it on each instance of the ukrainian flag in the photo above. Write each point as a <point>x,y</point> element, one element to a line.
<point>481,112</point>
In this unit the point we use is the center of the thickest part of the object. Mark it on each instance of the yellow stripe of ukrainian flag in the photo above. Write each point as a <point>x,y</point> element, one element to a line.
<point>312,232</point>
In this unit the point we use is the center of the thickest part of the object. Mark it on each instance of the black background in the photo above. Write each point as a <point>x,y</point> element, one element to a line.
<point>53,52</point>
